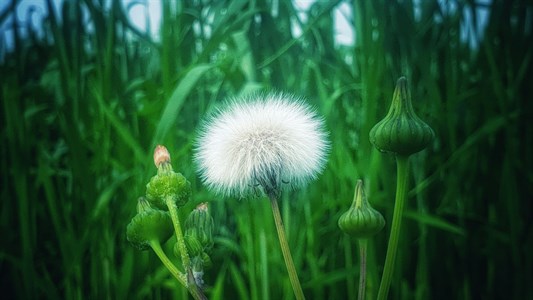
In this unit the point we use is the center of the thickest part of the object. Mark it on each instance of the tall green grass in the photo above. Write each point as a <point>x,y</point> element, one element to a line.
<point>84,105</point>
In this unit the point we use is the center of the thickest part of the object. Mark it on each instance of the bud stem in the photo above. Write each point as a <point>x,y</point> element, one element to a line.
<point>156,246</point>
<point>402,164</point>
<point>293,276</point>
<point>191,283</point>
<point>362,272</point>
<point>179,234</point>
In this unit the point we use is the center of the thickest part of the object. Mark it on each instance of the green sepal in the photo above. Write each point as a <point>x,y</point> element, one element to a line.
<point>193,245</point>
<point>206,260</point>
<point>361,223</point>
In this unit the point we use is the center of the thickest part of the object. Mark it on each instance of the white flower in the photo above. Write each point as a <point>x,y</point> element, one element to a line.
<point>268,141</point>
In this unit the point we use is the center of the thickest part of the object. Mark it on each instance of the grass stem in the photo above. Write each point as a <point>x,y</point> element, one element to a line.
<point>295,282</point>
<point>402,164</point>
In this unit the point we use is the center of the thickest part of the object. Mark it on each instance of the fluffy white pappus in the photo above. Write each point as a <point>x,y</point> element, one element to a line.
<point>273,141</point>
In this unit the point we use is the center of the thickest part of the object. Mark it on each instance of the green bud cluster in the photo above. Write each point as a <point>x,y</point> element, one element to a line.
<point>401,131</point>
<point>199,231</point>
<point>361,220</point>
<point>157,219</point>
<point>153,222</point>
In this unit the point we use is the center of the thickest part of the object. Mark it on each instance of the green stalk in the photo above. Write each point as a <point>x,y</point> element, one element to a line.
<point>362,272</point>
<point>402,164</point>
<point>350,279</point>
<point>173,210</point>
<point>191,283</point>
<point>293,276</point>
<point>156,246</point>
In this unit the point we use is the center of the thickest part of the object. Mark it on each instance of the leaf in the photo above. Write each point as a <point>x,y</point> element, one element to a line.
<point>435,222</point>
<point>176,101</point>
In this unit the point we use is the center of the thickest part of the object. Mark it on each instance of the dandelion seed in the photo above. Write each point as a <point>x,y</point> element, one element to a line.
<point>265,141</point>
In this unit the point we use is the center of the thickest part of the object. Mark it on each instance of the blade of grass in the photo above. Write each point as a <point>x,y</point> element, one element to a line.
<point>177,100</point>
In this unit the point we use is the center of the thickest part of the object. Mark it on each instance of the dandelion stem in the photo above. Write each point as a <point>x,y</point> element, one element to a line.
<point>402,164</point>
<point>191,283</point>
<point>156,246</point>
<point>293,276</point>
<point>362,272</point>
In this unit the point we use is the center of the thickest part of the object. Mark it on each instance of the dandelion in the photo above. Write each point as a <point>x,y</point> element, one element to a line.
<point>274,141</point>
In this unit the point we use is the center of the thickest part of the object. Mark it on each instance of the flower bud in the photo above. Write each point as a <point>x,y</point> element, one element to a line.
<point>361,220</point>
<point>199,230</point>
<point>161,155</point>
<point>401,131</point>
<point>148,226</point>
<point>168,184</point>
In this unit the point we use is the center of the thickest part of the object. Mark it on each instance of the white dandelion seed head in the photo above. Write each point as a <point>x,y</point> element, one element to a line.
<point>273,141</point>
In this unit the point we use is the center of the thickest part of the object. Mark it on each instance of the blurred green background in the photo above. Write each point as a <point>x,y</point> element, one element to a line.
<point>86,96</point>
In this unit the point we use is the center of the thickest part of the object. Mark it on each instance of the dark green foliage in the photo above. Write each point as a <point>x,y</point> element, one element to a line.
<point>84,105</point>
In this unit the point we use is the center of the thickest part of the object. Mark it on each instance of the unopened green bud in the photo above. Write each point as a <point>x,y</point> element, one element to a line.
<point>148,226</point>
<point>199,230</point>
<point>361,220</point>
<point>168,184</point>
<point>401,131</point>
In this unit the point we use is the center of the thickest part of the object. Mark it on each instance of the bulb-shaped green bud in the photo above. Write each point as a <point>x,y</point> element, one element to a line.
<point>167,183</point>
<point>149,225</point>
<point>401,131</point>
<point>199,231</point>
<point>361,220</point>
